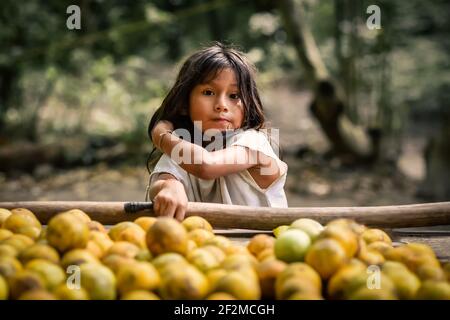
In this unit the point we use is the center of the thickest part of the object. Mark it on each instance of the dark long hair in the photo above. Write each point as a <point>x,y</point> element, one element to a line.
<point>201,67</point>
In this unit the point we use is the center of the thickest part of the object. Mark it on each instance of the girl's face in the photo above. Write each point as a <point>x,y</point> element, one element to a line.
<point>217,103</point>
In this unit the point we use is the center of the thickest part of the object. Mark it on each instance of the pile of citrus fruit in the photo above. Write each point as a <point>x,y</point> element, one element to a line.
<point>76,258</point>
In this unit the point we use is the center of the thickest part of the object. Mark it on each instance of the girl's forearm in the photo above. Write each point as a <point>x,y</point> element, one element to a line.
<point>204,164</point>
<point>194,158</point>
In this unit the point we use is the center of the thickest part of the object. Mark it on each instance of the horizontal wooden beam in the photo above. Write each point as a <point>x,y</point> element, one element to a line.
<point>261,218</point>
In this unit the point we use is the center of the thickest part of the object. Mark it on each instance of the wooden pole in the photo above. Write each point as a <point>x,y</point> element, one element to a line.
<point>261,218</point>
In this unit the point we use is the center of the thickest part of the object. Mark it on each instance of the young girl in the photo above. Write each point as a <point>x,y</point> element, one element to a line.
<point>214,96</point>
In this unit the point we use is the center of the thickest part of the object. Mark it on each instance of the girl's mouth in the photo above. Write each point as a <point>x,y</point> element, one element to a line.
<point>224,123</point>
<point>222,120</point>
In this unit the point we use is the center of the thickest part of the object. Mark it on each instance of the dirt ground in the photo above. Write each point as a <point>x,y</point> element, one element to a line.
<point>312,181</point>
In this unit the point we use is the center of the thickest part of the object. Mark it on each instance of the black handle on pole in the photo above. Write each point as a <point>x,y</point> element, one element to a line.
<point>133,207</point>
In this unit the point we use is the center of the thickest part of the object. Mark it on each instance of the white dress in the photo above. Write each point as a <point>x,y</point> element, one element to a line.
<point>237,188</point>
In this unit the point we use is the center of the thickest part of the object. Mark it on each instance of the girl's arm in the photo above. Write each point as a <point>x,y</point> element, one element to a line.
<point>210,165</point>
<point>169,197</point>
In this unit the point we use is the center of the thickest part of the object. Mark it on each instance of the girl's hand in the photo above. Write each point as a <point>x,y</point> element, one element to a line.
<point>171,200</point>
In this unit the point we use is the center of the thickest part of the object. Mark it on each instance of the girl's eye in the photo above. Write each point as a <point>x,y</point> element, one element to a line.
<point>207,92</point>
<point>234,96</point>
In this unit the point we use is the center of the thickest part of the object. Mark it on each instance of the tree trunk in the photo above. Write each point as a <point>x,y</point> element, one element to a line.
<point>26,156</point>
<point>293,17</point>
<point>349,141</point>
<point>436,185</point>
<point>8,87</point>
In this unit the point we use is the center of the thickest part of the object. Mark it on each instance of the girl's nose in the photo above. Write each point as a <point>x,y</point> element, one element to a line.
<point>221,105</point>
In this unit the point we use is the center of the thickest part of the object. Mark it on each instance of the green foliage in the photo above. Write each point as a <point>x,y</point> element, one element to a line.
<point>106,78</point>
<point>104,98</point>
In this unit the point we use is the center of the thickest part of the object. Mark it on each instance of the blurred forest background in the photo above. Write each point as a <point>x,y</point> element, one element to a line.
<point>363,113</point>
